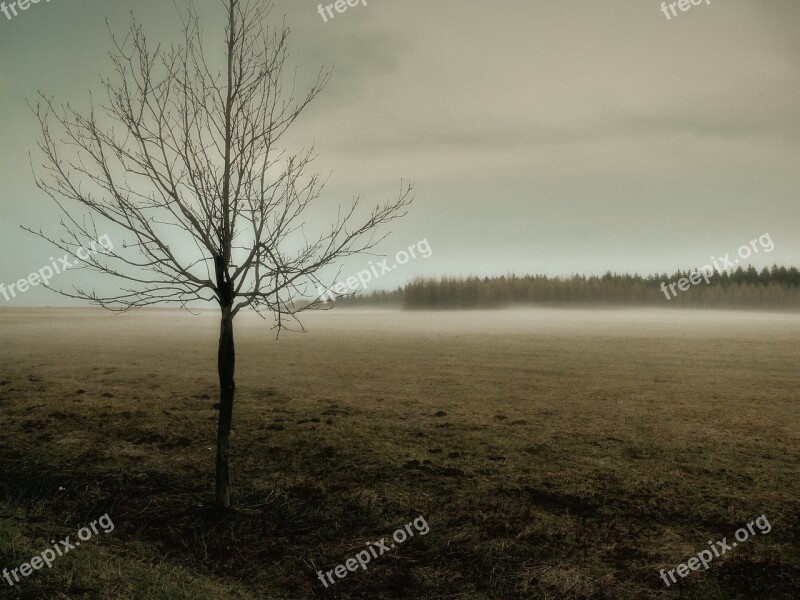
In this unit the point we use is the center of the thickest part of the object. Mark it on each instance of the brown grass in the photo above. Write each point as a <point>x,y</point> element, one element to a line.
<point>555,454</point>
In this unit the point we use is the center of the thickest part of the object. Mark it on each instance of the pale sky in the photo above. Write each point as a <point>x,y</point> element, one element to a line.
<point>542,137</point>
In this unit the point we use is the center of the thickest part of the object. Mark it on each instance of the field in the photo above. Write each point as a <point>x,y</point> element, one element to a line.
<point>554,453</point>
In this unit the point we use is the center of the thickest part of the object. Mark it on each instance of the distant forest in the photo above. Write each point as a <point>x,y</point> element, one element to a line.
<point>777,288</point>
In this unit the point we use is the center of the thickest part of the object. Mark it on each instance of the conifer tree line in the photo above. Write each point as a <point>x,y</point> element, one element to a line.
<point>771,288</point>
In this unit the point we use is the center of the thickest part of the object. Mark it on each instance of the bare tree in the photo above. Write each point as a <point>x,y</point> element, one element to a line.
<point>186,161</point>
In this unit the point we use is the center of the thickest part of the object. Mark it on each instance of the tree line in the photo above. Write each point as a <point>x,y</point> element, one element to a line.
<point>770,288</point>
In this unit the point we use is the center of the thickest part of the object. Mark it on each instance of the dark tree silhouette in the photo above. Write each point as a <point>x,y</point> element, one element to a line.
<point>187,163</point>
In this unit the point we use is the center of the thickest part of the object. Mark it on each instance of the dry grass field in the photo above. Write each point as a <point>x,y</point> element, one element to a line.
<point>554,454</point>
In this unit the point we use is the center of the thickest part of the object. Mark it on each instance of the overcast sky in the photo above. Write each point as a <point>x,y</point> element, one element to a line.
<point>542,137</point>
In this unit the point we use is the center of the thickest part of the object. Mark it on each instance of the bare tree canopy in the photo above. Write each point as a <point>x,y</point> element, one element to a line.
<point>198,159</point>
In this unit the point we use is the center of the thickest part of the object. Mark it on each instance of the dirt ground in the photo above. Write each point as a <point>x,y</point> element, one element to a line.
<point>553,453</point>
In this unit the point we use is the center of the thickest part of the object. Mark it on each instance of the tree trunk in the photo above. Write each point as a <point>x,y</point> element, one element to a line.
<point>226,362</point>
